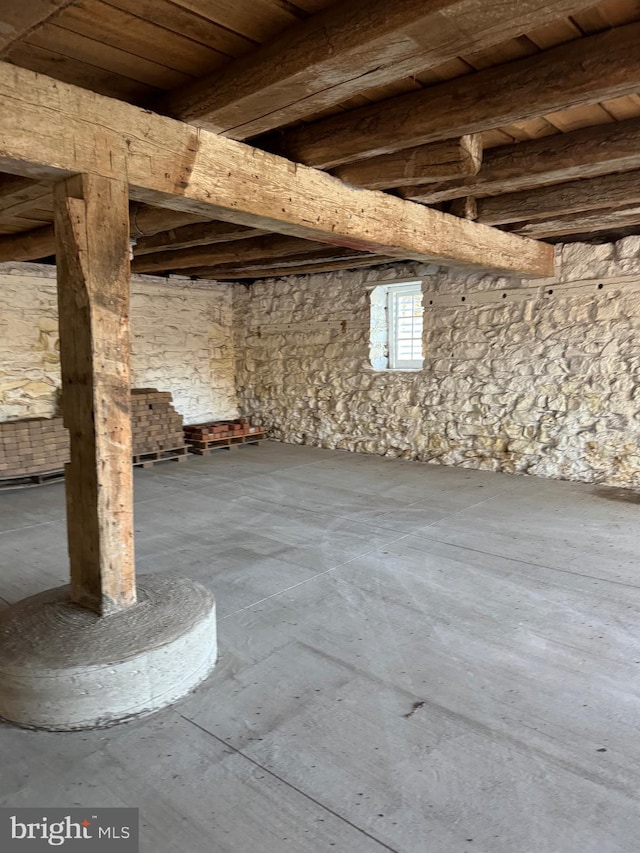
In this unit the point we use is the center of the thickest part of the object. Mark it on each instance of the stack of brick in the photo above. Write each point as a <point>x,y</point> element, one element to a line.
<point>41,445</point>
<point>155,424</point>
<point>38,446</point>
<point>217,435</point>
<point>213,430</point>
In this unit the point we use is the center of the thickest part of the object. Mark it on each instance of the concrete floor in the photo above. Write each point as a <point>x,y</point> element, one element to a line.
<point>413,658</point>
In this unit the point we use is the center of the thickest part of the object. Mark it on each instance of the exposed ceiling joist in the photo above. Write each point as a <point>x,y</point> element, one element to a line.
<point>345,49</point>
<point>237,251</point>
<point>585,71</point>
<point>147,221</point>
<point>19,18</point>
<point>18,194</point>
<point>440,161</point>
<point>327,255</point>
<point>40,243</point>
<point>604,192</point>
<point>588,223</point>
<point>51,129</point>
<point>28,246</point>
<point>189,236</point>
<point>581,153</point>
<point>248,272</point>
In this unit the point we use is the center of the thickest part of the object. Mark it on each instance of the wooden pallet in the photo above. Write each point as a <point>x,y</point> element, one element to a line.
<point>147,460</point>
<point>25,481</point>
<point>140,460</point>
<point>202,448</point>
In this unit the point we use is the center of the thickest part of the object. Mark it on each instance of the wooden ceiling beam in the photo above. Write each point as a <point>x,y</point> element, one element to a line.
<point>584,71</point>
<point>440,161</point>
<point>29,245</point>
<point>51,129</point>
<point>584,153</point>
<point>205,233</point>
<point>345,49</point>
<point>330,254</point>
<point>17,19</point>
<point>588,223</point>
<point>40,242</point>
<point>146,221</point>
<point>245,273</point>
<point>18,194</point>
<point>604,192</point>
<point>237,251</point>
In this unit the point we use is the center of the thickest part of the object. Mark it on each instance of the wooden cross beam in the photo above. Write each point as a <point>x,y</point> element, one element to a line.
<point>304,266</point>
<point>440,161</point>
<point>18,195</point>
<point>602,66</point>
<point>606,191</point>
<point>188,236</point>
<point>145,222</point>
<point>238,251</point>
<point>345,49</point>
<point>28,245</point>
<point>300,258</point>
<point>18,19</point>
<point>582,223</point>
<point>584,153</point>
<point>51,129</point>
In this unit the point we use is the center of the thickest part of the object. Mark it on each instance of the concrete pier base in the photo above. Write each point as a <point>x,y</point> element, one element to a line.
<point>64,668</point>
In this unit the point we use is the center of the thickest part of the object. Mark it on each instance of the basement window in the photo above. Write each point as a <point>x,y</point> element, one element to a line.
<point>396,326</point>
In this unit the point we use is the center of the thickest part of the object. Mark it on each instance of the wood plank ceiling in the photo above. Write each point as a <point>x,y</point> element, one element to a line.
<point>523,115</point>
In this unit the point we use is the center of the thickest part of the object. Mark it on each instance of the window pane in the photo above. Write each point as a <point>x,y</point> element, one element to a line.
<point>405,326</point>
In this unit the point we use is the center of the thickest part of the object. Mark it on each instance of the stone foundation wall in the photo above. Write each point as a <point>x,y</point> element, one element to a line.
<point>181,337</point>
<point>519,376</point>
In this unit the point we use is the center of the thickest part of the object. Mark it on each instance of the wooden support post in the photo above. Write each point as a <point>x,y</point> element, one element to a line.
<point>92,247</point>
<point>465,208</point>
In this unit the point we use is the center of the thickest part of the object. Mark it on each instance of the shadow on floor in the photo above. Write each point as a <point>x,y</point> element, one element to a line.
<point>613,493</point>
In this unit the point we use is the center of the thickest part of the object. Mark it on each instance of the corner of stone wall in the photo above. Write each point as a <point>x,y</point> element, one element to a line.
<point>181,335</point>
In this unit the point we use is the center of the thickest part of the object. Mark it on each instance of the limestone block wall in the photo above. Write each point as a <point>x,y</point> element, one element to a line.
<point>181,338</point>
<point>519,376</point>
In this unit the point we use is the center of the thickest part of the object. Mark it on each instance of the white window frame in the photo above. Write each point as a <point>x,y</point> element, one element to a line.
<point>382,328</point>
<point>393,292</point>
